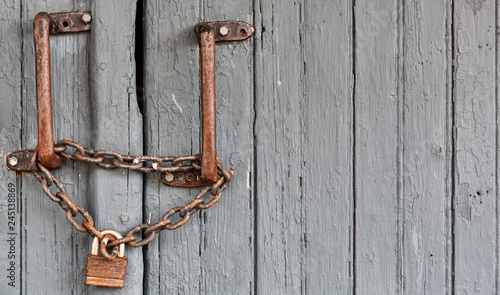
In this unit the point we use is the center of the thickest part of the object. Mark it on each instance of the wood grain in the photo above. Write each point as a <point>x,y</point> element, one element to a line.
<point>327,141</point>
<point>363,135</point>
<point>377,148</point>
<point>115,196</point>
<point>217,243</point>
<point>426,148</point>
<point>52,248</point>
<point>476,120</point>
<point>304,143</point>
<point>10,131</point>
<point>280,226</point>
<point>171,128</point>
<point>228,242</point>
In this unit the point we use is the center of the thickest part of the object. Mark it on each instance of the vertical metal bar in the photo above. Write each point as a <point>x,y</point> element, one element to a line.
<point>208,132</point>
<point>45,147</point>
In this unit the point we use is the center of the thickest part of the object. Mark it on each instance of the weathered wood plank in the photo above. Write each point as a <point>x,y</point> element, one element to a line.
<point>10,129</point>
<point>279,90</point>
<point>218,242</point>
<point>377,148</point>
<point>286,227</point>
<point>51,247</point>
<point>227,246</point>
<point>426,155</point>
<point>475,199</point>
<point>172,123</point>
<point>304,147</point>
<point>115,198</point>
<point>327,146</point>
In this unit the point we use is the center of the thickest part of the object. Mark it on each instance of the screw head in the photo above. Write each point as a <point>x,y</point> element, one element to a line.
<point>169,177</point>
<point>86,19</point>
<point>12,161</point>
<point>224,31</point>
<point>190,177</point>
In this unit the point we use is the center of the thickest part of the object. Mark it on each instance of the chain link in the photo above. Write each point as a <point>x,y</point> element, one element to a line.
<point>145,164</point>
<point>113,160</point>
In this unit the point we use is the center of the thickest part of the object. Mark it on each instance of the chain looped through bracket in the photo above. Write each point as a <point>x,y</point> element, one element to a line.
<point>202,170</point>
<point>108,160</point>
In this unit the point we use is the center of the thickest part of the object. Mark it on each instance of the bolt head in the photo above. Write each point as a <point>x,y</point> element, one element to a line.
<point>12,161</point>
<point>169,177</point>
<point>86,19</point>
<point>224,31</point>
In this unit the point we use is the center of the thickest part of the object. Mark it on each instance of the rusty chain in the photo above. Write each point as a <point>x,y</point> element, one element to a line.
<point>185,171</point>
<point>113,160</point>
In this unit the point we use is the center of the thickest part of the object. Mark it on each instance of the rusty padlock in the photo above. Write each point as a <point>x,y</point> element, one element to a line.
<point>102,272</point>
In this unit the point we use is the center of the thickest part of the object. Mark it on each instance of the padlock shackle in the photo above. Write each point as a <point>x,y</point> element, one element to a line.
<point>112,232</point>
<point>45,24</point>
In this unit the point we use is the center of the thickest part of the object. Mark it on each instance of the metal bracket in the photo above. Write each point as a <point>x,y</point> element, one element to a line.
<point>69,22</point>
<point>44,25</point>
<point>22,160</point>
<point>226,31</point>
<point>191,178</point>
<point>208,34</point>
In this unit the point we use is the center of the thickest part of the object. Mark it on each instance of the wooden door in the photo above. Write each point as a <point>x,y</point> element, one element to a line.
<point>364,136</point>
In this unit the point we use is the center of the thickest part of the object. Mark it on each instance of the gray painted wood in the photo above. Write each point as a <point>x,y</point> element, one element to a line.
<point>171,128</point>
<point>213,252</point>
<point>10,130</point>
<point>377,149</point>
<point>115,197</point>
<point>364,139</point>
<point>304,148</point>
<point>228,241</point>
<point>403,151</point>
<point>280,213</point>
<point>327,146</point>
<point>51,248</point>
<point>53,253</point>
<point>425,113</point>
<point>476,121</point>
